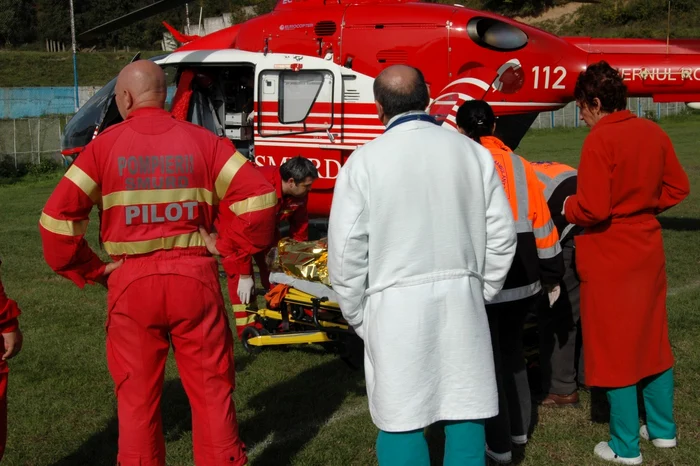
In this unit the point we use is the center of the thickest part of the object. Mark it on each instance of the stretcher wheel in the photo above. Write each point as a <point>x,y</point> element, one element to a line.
<point>252,332</point>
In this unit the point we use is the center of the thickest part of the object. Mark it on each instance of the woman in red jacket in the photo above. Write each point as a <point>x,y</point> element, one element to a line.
<point>628,174</point>
<point>11,345</point>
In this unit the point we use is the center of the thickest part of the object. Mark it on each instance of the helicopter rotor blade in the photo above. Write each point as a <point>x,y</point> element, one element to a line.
<point>128,19</point>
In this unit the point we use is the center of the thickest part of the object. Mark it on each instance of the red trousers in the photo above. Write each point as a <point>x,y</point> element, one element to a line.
<point>3,406</point>
<point>154,303</point>
<point>244,318</point>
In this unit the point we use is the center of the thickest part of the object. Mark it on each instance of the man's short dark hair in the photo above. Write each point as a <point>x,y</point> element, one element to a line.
<point>298,168</point>
<point>395,101</point>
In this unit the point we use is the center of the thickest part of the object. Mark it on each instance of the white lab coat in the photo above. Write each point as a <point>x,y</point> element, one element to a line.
<point>420,234</point>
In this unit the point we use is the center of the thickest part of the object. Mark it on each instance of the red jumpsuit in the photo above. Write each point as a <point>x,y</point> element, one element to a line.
<point>289,208</point>
<point>8,323</point>
<point>628,174</point>
<point>156,180</point>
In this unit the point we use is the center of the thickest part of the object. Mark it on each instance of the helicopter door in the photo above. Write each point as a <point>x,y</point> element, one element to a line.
<point>295,102</point>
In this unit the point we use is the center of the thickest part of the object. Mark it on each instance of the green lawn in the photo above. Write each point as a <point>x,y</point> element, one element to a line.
<point>295,406</point>
<point>32,69</point>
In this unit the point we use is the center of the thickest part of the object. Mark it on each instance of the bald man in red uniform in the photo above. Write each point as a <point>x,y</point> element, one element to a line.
<point>161,186</point>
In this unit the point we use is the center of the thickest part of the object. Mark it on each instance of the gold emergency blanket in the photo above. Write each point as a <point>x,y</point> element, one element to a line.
<point>307,260</point>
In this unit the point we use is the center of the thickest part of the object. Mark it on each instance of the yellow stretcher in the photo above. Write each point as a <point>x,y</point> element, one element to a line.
<point>301,319</point>
<point>304,319</point>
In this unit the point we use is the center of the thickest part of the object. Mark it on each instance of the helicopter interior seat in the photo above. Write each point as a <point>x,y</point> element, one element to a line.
<point>219,99</point>
<point>207,103</point>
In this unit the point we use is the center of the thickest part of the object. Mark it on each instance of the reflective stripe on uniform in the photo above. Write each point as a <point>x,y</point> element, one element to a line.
<point>548,253</point>
<point>83,181</point>
<point>245,320</point>
<point>242,315</point>
<point>143,247</point>
<point>255,203</point>
<point>523,226</point>
<point>157,196</point>
<point>542,177</point>
<point>566,231</point>
<point>515,294</point>
<point>544,231</point>
<point>227,173</point>
<point>63,227</point>
<point>553,183</point>
<point>521,194</point>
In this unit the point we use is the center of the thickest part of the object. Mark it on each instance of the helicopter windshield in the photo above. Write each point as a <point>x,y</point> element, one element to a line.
<point>81,127</point>
<point>79,130</point>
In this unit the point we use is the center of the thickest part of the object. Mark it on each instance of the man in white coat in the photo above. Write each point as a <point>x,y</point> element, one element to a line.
<point>420,236</point>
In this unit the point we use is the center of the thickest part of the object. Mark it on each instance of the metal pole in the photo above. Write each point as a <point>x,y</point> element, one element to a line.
<point>31,144</point>
<point>14,139</point>
<point>75,63</point>
<point>38,141</point>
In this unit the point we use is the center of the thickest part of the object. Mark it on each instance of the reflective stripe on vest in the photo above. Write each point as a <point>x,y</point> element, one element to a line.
<point>515,294</point>
<point>552,183</point>
<point>522,223</point>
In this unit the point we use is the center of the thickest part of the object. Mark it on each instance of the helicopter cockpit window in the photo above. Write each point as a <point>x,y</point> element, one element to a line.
<point>295,102</point>
<point>298,92</point>
<point>496,35</point>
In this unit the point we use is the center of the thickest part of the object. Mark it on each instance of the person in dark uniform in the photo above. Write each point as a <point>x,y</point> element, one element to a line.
<point>559,325</point>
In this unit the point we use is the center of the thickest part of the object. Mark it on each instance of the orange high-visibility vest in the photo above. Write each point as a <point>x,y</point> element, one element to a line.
<point>558,181</point>
<point>538,256</point>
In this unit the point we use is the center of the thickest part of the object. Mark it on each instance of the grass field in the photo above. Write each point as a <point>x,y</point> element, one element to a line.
<point>30,69</point>
<point>295,406</point>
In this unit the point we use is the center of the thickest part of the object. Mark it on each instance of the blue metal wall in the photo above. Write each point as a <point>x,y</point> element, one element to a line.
<point>23,102</point>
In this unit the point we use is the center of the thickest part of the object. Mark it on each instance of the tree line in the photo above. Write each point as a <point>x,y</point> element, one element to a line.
<point>25,22</point>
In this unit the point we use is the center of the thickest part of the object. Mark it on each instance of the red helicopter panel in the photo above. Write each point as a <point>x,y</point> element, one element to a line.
<point>331,52</point>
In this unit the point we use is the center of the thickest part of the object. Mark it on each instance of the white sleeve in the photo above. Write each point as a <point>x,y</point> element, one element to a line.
<point>348,246</point>
<point>501,238</point>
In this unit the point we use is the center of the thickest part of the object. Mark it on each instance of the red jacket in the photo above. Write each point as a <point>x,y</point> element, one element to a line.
<point>156,180</point>
<point>9,311</point>
<point>629,173</point>
<point>289,208</point>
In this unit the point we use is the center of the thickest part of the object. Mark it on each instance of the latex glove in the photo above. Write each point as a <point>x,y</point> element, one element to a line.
<point>245,288</point>
<point>553,295</point>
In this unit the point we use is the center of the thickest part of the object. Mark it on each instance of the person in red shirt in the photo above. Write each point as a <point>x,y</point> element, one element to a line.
<point>12,344</point>
<point>628,174</point>
<point>161,186</point>
<point>292,182</point>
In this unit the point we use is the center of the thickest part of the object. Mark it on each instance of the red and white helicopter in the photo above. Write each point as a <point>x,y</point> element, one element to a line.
<point>298,80</point>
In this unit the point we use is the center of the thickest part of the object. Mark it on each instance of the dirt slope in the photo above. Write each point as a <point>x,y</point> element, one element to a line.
<point>553,14</point>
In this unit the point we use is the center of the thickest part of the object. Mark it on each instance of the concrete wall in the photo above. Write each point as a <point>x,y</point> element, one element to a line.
<point>28,102</point>
<point>22,102</point>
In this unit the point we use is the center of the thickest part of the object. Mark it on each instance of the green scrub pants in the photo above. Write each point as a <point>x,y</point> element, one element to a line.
<point>464,446</point>
<point>624,414</point>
